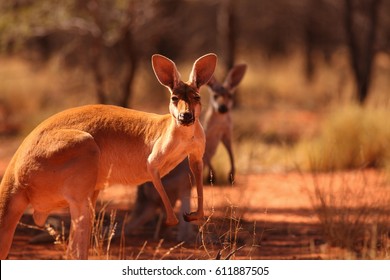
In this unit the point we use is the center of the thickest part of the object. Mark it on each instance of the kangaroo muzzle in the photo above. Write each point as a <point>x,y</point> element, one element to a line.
<point>186,118</point>
<point>223,109</point>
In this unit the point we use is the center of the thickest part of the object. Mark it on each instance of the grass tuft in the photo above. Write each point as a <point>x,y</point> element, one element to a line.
<point>351,137</point>
<point>103,232</point>
<point>355,219</point>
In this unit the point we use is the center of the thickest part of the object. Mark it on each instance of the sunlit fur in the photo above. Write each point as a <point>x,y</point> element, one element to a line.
<point>178,182</point>
<point>218,122</point>
<point>67,159</point>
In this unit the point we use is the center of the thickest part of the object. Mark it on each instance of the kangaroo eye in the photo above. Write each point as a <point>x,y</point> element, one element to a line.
<point>175,99</point>
<point>197,97</point>
<point>216,97</point>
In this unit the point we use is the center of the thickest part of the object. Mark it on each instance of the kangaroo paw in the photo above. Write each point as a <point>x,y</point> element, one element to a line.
<point>231,179</point>
<point>172,222</point>
<point>193,216</point>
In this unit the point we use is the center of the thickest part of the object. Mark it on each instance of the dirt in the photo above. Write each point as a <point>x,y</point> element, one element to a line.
<point>264,215</point>
<point>261,216</point>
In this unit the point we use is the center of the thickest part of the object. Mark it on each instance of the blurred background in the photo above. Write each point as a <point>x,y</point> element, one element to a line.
<point>317,69</point>
<point>315,98</point>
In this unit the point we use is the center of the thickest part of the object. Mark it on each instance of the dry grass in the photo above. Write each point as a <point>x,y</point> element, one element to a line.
<point>103,231</point>
<point>354,219</point>
<point>351,137</point>
<point>34,92</point>
<point>354,216</point>
<point>219,236</point>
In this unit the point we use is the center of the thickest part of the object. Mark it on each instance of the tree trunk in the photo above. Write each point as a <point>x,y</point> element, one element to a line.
<point>130,69</point>
<point>131,55</point>
<point>227,32</point>
<point>227,37</point>
<point>98,76</point>
<point>361,35</point>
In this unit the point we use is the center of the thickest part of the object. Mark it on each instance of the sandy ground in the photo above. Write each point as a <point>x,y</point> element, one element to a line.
<point>261,216</point>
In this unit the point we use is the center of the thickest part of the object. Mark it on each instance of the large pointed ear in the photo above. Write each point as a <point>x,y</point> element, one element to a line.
<point>235,76</point>
<point>203,70</point>
<point>165,71</point>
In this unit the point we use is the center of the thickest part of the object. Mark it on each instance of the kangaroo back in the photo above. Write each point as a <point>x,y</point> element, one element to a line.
<point>68,158</point>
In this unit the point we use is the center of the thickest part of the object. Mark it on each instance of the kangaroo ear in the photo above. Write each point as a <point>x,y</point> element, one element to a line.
<point>203,70</point>
<point>212,83</point>
<point>235,76</point>
<point>165,71</point>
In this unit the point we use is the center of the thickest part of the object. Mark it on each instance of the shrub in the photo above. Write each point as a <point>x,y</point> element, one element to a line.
<point>351,137</point>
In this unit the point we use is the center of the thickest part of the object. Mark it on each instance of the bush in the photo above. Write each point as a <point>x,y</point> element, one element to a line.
<point>351,137</point>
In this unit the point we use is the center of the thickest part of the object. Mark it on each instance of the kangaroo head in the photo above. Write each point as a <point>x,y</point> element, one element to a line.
<point>185,105</point>
<point>222,94</point>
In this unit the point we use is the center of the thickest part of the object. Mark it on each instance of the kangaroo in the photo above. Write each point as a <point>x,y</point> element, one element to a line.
<point>218,123</point>
<point>178,182</point>
<point>67,159</point>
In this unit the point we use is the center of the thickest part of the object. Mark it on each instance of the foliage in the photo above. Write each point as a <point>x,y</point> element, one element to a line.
<point>96,36</point>
<point>109,38</point>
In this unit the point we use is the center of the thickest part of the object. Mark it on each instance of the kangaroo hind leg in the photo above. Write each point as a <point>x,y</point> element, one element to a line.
<point>12,206</point>
<point>79,164</point>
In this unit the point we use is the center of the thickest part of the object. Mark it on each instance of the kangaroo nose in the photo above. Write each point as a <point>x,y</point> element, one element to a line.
<point>222,109</point>
<point>186,118</point>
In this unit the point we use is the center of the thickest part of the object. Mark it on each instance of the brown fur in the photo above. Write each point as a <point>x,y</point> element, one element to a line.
<point>71,156</point>
<point>218,127</point>
<point>218,123</point>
